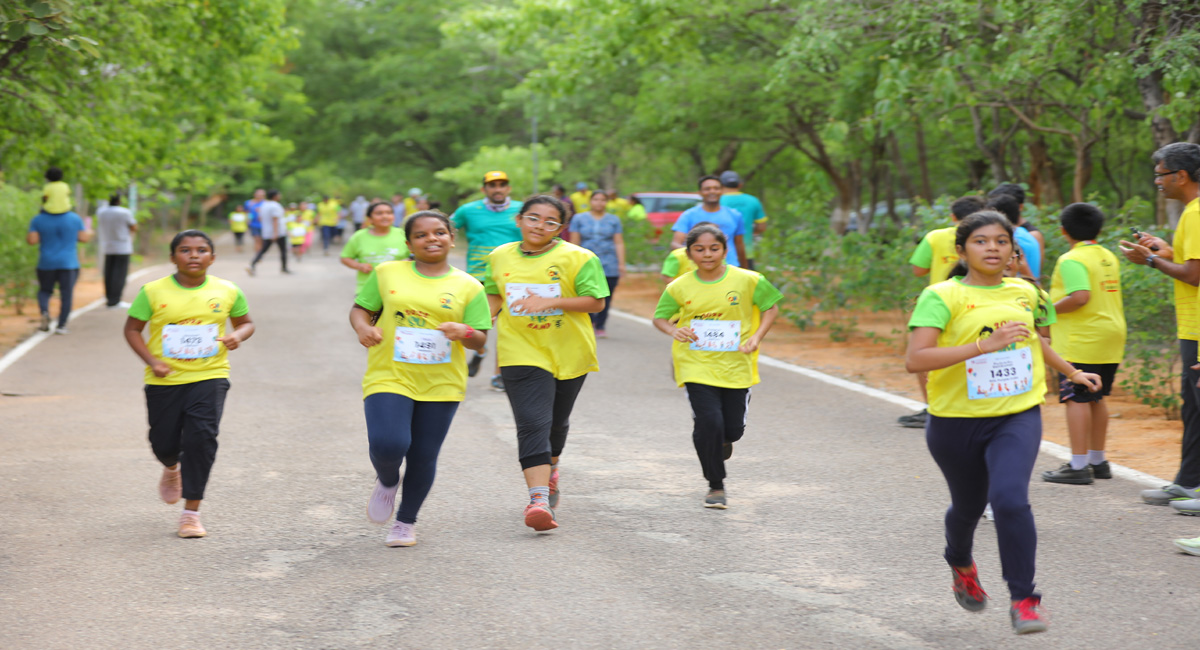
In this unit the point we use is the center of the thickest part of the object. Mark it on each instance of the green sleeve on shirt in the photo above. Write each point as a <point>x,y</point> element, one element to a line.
<point>765,294</point>
<point>368,296</point>
<point>1075,276</point>
<point>923,256</point>
<point>931,311</point>
<point>350,250</point>
<point>240,307</point>
<point>670,265</point>
<point>489,285</point>
<point>476,314</point>
<point>667,306</point>
<point>140,309</point>
<point>1045,315</point>
<point>590,281</point>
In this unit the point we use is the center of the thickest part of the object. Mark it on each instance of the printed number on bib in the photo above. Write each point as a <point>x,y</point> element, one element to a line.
<point>716,335</point>
<point>1000,374</point>
<point>190,341</point>
<point>423,346</point>
<point>516,291</point>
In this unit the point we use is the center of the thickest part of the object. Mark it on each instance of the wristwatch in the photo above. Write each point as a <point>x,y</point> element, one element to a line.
<point>1150,260</point>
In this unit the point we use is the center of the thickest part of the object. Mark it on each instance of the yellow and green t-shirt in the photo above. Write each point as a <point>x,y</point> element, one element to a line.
<point>185,325</point>
<point>412,360</point>
<point>239,221</point>
<point>965,314</point>
<point>327,212</point>
<point>297,232</point>
<point>1094,333</point>
<point>734,304</point>
<point>1186,244</point>
<point>367,247</point>
<point>937,253</point>
<point>560,342</point>
<point>677,263</point>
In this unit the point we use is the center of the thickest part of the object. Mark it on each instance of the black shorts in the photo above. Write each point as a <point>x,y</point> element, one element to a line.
<point>1069,391</point>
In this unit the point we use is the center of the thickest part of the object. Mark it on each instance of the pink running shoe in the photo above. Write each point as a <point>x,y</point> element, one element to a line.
<point>190,526</point>
<point>401,534</point>
<point>540,517</point>
<point>170,486</point>
<point>554,488</point>
<point>967,591</point>
<point>382,505</point>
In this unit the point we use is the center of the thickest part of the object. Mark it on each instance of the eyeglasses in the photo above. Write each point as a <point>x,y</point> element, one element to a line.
<point>1161,174</point>
<point>535,220</point>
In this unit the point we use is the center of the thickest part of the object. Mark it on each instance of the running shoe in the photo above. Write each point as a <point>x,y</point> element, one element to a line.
<point>1187,506</point>
<point>383,502</point>
<point>498,383</point>
<point>250,270</point>
<point>1069,475</point>
<point>61,331</point>
<point>918,416</point>
<point>1101,470</point>
<point>715,499</point>
<point>553,488</point>
<point>475,362</point>
<point>189,526</point>
<point>1027,616</point>
<point>44,325</point>
<point>601,334</point>
<point>540,517</point>
<point>1169,493</point>
<point>401,534</point>
<point>1189,546</point>
<point>727,448</point>
<point>967,591</point>
<point>170,485</point>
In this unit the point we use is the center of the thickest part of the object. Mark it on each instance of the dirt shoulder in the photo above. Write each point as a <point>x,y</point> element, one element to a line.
<point>1138,436</point>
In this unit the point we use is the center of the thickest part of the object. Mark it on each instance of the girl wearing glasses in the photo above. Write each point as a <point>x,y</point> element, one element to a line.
<point>543,289</point>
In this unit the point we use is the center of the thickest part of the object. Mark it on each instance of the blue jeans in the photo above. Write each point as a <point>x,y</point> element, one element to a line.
<point>65,279</point>
<point>401,429</point>
<point>990,460</point>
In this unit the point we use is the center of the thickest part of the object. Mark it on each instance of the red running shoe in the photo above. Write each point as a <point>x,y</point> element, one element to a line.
<point>967,591</point>
<point>540,517</point>
<point>1027,616</point>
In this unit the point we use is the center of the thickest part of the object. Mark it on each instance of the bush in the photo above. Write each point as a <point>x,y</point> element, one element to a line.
<point>18,259</point>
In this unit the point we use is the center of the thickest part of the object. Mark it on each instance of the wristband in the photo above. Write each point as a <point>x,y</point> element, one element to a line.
<point>1077,371</point>
<point>980,347</point>
<point>1150,261</point>
<point>470,332</point>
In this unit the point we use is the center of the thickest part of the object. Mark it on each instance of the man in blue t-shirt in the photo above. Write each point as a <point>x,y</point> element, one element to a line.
<point>754,220</point>
<point>730,221</point>
<point>57,236</point>
<point>260,196</point>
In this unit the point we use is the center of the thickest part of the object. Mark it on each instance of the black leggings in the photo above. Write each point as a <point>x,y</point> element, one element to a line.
<point>401,429</point>
<point>65,279</point>
<point>541,406</point>
<point>116,267</point>
<point>281,242</point>
<point>718,417</point>
<point>184,422</point>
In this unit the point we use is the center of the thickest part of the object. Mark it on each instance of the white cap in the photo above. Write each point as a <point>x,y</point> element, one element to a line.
<point>416,191</point>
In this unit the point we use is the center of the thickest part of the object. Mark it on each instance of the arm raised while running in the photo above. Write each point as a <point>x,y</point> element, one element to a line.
<point>764,326</point>
<point>362,321</point>
<point>133,336</point>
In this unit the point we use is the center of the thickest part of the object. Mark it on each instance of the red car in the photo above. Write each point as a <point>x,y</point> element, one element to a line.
<point>663,208</point>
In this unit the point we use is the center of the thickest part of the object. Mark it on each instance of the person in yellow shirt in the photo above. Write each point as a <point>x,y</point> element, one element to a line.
<point>297,230</point>
<point>976,337</point>
<point>415,317</point>
<point>617,205</point>
<point>187,367</point>
<point>543,289</point>
<point>935,256</point>
<point>239,223</point>
<point>724,312</point>
<point>677,262</point>
<point>581,198</point>
<point>1090,333</point>
<point>327,218</point>
<point>56,195</point>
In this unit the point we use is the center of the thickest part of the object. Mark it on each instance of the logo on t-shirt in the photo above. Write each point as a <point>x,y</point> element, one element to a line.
<point>554,273</point>
<point>734,298</point>
<point>215,305</point>
<point>1024,303</point>
<point>446,301</point>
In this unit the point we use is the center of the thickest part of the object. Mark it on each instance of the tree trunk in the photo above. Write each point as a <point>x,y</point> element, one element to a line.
<point>698,160</point>
<point>728,154</point>
<point>993,152</point>
<point>184,214</point>
<point>906,183</point>
<point>1043,176</point>
<point>923,162</point>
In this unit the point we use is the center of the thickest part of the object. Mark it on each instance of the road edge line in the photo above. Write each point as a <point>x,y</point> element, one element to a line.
<point>1049,448</point>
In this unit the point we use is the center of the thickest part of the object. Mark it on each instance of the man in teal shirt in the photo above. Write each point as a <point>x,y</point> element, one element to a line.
<point>487,223</point>
<point>754,220</point>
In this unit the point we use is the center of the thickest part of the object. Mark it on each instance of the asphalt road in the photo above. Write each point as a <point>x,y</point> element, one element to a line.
<point>832,540</point>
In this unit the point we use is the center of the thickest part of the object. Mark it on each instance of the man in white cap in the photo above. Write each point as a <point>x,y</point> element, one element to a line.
<point>753,217</point>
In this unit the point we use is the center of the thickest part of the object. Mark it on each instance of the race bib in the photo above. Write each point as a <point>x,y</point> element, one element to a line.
<point>516,291</point>
<point>237,217</point>
<point>1000,374</point>
<point>190,341</point>
<point>298,232</point>
<point>422,346</point>
<point>716,335</point>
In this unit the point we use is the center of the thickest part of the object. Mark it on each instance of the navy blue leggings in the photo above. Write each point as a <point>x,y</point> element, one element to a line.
<point>990,460</point>
<point>402,429</point>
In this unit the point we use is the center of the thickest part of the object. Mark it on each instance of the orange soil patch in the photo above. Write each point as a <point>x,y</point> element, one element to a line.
<point>1138,436</point>
<point>15,327</point>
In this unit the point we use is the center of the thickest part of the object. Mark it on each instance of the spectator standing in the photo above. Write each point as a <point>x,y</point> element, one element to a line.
<point>274,231</point>
<point>754,220</point>
<point>727,219</point>
<point>56,236</point>
<point>116,226</point>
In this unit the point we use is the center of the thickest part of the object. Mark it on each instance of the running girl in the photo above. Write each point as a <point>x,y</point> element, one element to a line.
<point>726,312</point>
<point>379,242</point>
<point>415,317</point>
<point>543,288</point>
<point>187,367</point>
<point>976,337</point>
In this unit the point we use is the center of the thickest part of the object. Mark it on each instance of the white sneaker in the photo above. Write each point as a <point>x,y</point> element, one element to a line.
<point>1189,546</point>
<point>382,505</point>
<point>401,534</point>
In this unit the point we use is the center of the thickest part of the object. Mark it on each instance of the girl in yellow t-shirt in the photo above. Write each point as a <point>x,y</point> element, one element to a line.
<point>543,289</point>
<point>415,317</point>
<point>976,336</point>
<point>187,367</point>
<point>239,223</point>
<point>723,314</point>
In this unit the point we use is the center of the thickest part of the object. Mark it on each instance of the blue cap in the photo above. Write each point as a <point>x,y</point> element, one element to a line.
<point>581,185</point>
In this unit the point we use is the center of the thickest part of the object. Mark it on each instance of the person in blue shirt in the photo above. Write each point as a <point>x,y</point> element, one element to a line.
<point>730,221</point>
<point>1006,205</point>
<point>260,196</point>
<point>56,236</point>
<point>754,220</point>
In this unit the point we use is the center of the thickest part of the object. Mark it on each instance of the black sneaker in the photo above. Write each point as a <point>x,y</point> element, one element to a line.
<point>715,499</point>
<point>475,362</point>
<point>1067,475</point>
<point>919,416</point>
<point>1102,470</point>
<point>727,448</point>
